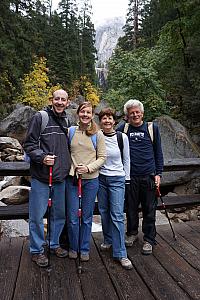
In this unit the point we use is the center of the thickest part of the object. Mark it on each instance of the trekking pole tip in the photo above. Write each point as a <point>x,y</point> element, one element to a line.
<point>49,270</point>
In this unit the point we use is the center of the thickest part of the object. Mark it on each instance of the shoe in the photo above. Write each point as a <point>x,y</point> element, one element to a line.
<point>59,252</point>
<point>126,263</point>
<point>73,254</point>
<point>85,257</point>
<point>147,248</point>
<point>105,247</point>
<point>130,239</point>
<point>40,259</point>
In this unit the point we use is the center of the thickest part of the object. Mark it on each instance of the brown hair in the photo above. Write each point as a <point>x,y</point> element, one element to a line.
<point>93,128</point>
<point>107,112</point>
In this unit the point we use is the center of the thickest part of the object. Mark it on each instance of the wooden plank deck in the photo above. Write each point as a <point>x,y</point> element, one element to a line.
<point>172,272</point>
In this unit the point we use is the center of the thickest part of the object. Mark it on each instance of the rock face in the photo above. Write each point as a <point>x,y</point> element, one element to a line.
<point>107,36</point>
<point>106,39</point>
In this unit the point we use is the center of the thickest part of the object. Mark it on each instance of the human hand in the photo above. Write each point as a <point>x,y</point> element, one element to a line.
<point>81,169</point>
<point>157,180</point>
<point>49,160</point>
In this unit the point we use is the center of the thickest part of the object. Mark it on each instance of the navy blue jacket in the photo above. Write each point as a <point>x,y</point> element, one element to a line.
<point>146,157</point>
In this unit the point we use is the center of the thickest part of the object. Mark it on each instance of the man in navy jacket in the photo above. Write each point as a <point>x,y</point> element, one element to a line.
<point>146,169</point>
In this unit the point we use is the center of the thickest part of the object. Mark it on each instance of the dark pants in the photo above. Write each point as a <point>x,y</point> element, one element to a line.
<point>141,191</point>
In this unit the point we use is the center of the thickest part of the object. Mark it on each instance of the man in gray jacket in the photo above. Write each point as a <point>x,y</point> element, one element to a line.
<point>45,149</point>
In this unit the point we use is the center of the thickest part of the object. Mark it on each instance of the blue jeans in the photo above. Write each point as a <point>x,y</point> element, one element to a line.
<point>89,192</point>
<point>38,202</point>
<point>111,207</point>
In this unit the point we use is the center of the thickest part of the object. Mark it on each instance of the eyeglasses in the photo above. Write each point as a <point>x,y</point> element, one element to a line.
<point>60,98</point>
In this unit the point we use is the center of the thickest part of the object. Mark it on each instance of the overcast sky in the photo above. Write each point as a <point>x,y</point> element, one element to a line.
<point>105,9</point>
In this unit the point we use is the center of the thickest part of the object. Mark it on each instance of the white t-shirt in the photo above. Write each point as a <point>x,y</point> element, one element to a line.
<point>113,165</point>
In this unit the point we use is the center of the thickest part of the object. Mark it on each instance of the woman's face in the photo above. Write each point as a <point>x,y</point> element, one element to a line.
<point>85,115</point>
<point>107,123</point>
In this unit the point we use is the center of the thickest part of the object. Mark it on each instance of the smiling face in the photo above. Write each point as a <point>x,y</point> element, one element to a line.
<point>85,115</point>
<point>60,101</point>
<point>107,123</point>
<point>135,116</point>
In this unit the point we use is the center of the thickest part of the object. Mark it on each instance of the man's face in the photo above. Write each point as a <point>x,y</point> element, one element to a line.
<point>135,116</point>
<point>60,101</point>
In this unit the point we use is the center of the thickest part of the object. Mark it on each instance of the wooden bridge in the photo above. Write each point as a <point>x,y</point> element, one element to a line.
<point>171,273</point>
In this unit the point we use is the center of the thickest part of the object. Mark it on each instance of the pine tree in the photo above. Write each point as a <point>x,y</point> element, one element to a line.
<point>15,45</point>
<point>64,56</point>
<point>87,41</point>
<point>131,39</point>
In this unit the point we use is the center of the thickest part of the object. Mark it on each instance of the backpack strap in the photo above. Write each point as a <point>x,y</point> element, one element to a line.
<point>126,126</point>
<point>45,119</point>
<point>68,124</point>
<point>150,130</point>
<point>72,131</point>
<point>120,143</point>
<point>94,140</point>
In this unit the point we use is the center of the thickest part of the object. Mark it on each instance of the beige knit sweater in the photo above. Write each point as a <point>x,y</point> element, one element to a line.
<point>83,152</point>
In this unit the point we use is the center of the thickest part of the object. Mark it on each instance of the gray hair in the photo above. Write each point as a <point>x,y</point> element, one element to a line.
<point>133,103</point>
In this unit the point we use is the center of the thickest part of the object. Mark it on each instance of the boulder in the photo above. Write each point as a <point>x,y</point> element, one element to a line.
<point>177,143</point>
<point>72,116</point>
<point>176,140</point>
<point>10,145</point>
<point>14,228</point>
<point>16,124</point>
<point>15,194</point>
<point>10,149</point>
<point>9,180</point>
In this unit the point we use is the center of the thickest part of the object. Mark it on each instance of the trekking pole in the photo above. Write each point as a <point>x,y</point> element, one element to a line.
<point>79,218</point>
<point>158,194</point>
<point>49,212</point>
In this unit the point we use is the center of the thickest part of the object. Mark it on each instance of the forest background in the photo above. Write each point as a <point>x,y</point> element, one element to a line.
<point>157,60</point>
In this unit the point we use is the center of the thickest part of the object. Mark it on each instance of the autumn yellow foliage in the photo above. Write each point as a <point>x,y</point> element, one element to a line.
<point>35,86</point>
<point>85,88</point>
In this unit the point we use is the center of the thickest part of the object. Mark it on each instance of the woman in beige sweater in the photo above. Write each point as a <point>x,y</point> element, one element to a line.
<point>88,153</point>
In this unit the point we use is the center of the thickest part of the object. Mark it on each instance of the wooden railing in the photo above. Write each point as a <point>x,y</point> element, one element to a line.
<point>22,169</point>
